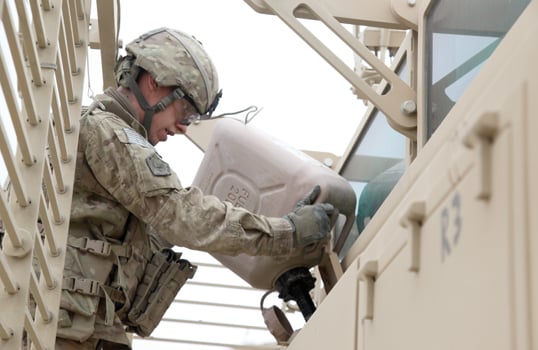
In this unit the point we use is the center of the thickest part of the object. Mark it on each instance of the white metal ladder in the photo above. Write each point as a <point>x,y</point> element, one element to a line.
<point>44,44</point>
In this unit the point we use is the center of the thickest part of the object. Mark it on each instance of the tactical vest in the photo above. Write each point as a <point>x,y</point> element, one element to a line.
<point>117,272</point>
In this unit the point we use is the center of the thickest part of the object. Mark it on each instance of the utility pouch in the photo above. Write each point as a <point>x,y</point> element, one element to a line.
<point>79,327</point>
<point>164,276</point>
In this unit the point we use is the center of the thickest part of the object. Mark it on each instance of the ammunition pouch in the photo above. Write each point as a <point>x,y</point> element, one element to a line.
<point>164,276</point>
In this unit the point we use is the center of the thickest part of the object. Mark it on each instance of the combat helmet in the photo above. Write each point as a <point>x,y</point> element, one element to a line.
<point>173,58</point>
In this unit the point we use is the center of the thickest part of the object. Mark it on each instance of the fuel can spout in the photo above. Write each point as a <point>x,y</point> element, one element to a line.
<point>295,284</point>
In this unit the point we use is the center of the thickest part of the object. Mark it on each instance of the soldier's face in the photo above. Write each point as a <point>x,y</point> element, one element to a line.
<point>167,123</point>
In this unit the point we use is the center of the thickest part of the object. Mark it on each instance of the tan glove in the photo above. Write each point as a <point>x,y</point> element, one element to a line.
<point>311,223</point>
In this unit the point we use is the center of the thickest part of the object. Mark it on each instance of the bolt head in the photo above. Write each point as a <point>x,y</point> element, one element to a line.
<point>408,107</point>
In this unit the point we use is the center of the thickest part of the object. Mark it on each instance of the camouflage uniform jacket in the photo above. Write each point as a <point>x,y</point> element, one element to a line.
<point>121,186</point>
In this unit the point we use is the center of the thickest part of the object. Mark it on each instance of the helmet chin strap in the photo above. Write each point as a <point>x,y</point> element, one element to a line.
<point>156,108</point>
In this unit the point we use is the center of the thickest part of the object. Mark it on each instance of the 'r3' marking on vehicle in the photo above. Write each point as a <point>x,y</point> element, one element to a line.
<point>451,224</point>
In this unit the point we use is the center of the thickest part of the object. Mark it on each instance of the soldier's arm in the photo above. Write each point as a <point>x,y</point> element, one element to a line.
<point>142,182</point>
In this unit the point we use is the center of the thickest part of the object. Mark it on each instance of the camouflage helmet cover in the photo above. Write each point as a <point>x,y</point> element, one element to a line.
<point>174,58</point>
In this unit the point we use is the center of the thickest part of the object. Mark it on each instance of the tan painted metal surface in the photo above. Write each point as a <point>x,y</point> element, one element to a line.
<point>449,259</point>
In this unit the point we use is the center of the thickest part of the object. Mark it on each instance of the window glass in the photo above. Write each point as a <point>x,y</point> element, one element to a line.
<point>460,36</point>
<point>374,166</point>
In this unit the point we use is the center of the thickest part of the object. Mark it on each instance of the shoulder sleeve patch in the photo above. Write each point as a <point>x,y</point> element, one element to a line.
<point>157,166</point>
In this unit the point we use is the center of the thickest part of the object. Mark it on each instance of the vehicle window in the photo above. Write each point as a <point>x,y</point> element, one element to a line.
<point>374,166</point>
<point>460,36</point>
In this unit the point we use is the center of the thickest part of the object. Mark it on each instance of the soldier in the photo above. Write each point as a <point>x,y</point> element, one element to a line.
<point>123,191</point>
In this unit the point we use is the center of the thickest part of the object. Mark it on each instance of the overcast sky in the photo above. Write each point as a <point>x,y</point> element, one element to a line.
<point>260,61</point>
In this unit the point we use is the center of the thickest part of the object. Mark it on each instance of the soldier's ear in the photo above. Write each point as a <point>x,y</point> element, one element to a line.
<point>152,82</point>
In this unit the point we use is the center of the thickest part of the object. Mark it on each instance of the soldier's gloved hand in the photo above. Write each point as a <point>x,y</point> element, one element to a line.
<point>311,223</point>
